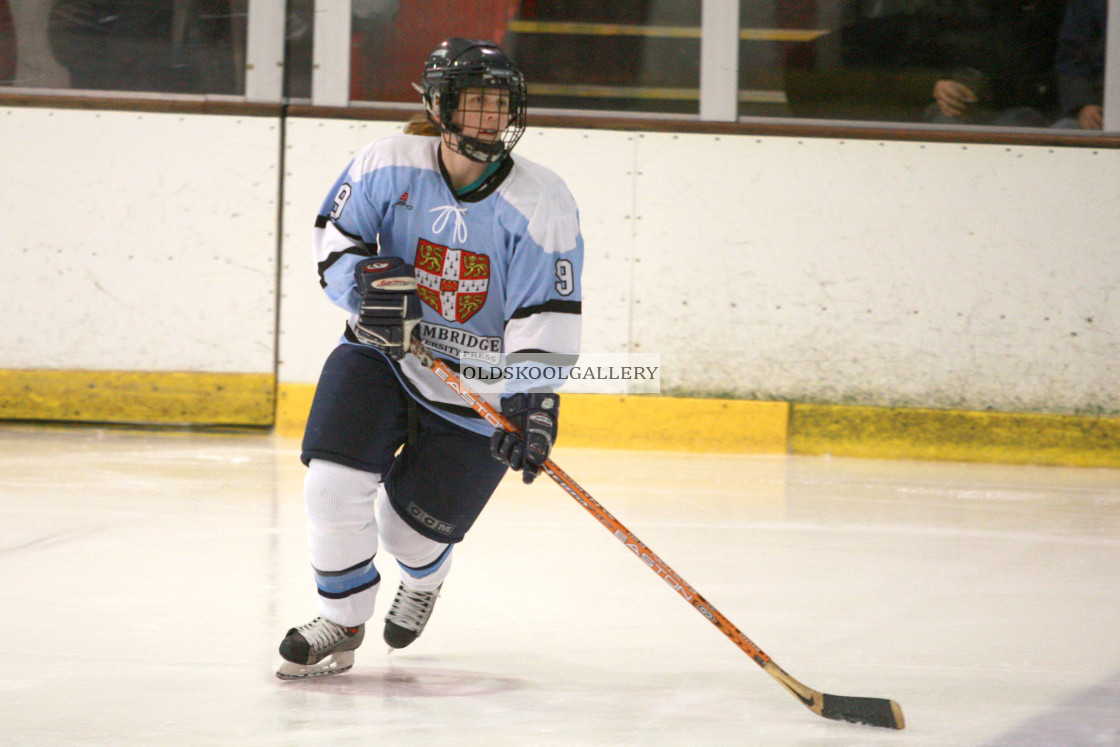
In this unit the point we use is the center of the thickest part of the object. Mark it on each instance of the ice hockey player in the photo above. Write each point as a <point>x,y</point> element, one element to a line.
<point>442,233</point>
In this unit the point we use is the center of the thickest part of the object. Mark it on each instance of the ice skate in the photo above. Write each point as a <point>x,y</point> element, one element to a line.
<point>408,615</point>
<point>318,648</point>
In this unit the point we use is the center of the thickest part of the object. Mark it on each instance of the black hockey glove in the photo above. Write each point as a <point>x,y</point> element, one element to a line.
<point>535,415</point>
<point>390,305</point>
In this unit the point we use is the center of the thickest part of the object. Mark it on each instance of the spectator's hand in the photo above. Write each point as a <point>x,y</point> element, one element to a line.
<point>953,97</point>
<point>1091,117</point>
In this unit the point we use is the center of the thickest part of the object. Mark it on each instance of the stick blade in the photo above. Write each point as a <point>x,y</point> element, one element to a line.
<point>870,711</point>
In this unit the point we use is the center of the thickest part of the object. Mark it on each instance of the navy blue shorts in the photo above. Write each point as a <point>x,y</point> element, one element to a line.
<point>438,475</point>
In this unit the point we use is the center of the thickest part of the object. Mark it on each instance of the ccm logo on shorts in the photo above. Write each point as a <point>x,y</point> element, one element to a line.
<point>430,521</point>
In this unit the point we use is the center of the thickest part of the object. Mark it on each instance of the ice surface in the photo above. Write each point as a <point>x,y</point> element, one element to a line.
<point>148,576</point>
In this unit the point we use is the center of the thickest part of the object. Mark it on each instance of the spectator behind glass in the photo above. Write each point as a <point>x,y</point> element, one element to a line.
<point>1079,64</point>
<point>1000,69</point>
<point>7,45</point>
<point>982,61</point>
<point>164,46</point>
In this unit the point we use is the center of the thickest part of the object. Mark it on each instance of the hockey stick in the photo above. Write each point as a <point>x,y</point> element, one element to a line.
<point>870,711</point>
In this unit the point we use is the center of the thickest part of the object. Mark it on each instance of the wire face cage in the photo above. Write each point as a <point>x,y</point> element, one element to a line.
<point>474,92</point>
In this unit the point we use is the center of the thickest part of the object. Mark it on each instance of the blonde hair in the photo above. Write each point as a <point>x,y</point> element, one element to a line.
<point>419,124</point>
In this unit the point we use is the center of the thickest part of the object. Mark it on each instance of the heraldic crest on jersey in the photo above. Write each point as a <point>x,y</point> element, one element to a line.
<point>451,281</point>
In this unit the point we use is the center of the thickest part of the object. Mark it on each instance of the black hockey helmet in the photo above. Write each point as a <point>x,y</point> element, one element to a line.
<point>458,64</point>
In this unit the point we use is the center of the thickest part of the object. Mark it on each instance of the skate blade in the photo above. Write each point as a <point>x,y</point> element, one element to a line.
<point>333,664</point>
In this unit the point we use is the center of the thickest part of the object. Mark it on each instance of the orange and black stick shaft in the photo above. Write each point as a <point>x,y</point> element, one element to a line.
<point>871,711</point>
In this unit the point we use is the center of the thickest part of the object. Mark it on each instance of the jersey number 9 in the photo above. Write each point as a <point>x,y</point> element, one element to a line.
<point>340,201</point>
<point>565,278</point>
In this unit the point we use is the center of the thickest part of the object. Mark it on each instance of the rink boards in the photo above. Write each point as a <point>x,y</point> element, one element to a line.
<point>941,300</point>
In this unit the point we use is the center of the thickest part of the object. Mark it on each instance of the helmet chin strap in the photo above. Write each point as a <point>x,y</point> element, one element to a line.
<point>476,150</point>
<point>455,149</point>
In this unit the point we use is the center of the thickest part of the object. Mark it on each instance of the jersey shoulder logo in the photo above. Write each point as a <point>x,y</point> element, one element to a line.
<point>452,281</point>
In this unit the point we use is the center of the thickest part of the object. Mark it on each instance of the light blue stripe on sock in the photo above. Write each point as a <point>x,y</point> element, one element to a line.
<point>430,568</point>
<point>336,582</point>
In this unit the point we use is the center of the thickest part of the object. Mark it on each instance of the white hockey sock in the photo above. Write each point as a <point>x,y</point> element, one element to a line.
<point>342,539</point>
<point>424,562</point>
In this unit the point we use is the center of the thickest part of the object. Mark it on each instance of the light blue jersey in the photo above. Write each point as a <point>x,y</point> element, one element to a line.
<point>498,269</point>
